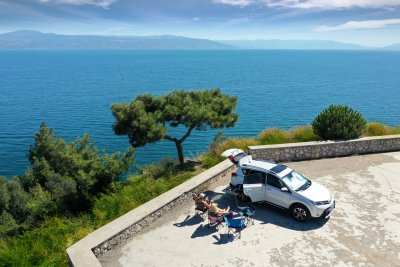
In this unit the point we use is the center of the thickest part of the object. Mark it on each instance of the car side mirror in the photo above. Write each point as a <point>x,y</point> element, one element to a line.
<point>284,189</point>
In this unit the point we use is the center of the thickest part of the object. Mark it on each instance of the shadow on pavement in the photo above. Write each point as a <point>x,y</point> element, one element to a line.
<point>188,221</point>
<point>204,230</point>
<point>265,214</point>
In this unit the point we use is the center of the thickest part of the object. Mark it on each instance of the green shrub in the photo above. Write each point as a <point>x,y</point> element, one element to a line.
<point>339,123</point>
<point>166,167</point>
<point>280,136</point>
<point>46,244</point>
<point>303,134</point>
<point>376,129</point>
<point>274,136</point>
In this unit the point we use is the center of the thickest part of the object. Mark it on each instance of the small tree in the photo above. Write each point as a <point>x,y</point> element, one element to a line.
<point>339,122</point>
<point>145,119</point>
<point>72,172</point>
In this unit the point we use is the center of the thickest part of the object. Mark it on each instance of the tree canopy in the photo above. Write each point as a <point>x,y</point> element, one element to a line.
<point>64,177</point>
<point>146,119</point>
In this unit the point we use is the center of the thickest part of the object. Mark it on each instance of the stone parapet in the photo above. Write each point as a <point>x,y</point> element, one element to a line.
<point>325,149</point>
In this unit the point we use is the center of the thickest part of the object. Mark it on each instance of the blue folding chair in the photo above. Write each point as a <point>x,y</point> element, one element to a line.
<point>235,225</point>
<point>248,212</point>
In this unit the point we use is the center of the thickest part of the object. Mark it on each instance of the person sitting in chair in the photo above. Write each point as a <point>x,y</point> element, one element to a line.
<point>202,204</point>
<point>213,207</point>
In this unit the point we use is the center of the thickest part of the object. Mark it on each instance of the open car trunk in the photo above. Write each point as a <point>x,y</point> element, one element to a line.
<point>235,155</point>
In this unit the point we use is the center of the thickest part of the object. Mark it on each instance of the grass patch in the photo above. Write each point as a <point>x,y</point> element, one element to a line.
<point>279,136</point>
<point>46,244</point>
<point>377,129</point>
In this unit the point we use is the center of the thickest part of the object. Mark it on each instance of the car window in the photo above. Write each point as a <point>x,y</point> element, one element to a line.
<point>274,181</point>
<point>255,178</point>
<point>245,171</point>
<point>255,171</point>
<point>238,157</point>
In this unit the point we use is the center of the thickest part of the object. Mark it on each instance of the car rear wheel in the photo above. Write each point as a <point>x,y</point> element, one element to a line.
<point>242,197</point>
<point>300,213</point>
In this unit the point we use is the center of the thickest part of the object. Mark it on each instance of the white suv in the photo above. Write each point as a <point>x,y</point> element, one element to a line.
<point>278,185</point>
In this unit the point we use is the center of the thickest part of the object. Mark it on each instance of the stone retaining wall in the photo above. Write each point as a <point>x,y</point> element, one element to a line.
<point>325,149</point>
<point>84,252</point>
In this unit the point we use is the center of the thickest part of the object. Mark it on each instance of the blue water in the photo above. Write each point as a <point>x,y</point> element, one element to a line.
<point>72,91</point>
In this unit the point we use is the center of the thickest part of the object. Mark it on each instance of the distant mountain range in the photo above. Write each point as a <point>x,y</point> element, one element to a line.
<point>394,46</point>
<point>291,44</point>
<point>34,40</point>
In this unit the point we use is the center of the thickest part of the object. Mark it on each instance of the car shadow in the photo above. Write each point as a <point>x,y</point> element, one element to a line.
<point>267,214</point>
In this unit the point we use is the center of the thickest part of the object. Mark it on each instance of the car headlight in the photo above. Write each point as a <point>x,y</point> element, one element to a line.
<point>320,203</point>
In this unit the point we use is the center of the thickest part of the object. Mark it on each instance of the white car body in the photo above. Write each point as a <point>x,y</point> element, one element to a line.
<point>275,184</point>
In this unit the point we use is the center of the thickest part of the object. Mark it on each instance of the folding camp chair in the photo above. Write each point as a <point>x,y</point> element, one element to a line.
<point>248,212</point>
<point>214,219</point>
<point>235,225</point>
<point>199,205</point>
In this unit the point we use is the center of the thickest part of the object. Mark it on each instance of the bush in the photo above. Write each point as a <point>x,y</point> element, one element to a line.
<point>166,167</point>
<point>303,134</point>
<point>376,129</point>
<point>339,123</point>
<point>280,136</point>
<point>273,136</point>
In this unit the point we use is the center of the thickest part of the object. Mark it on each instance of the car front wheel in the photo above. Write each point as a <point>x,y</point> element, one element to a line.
<point>300,213</point>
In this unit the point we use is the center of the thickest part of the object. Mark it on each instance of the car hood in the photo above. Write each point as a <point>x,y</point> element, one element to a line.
<point>316,192</point>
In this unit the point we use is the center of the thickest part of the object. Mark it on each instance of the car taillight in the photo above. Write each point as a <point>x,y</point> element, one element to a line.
<point>233,174</point>
<point>230,157</point>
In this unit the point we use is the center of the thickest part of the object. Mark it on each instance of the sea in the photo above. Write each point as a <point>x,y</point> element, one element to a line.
<point>72,92</point>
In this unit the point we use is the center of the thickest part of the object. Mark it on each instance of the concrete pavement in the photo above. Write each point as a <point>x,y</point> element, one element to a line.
<point>364,230</point>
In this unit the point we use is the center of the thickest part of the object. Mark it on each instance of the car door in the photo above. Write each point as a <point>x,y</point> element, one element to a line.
<point>254,187</point>
<point>274,192</point>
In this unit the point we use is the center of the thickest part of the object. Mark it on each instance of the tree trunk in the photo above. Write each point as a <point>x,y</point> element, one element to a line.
<point>178,143</point>
<point>180,151</point>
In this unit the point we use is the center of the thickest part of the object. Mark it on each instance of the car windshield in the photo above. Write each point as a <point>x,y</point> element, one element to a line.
<point>296,181</point>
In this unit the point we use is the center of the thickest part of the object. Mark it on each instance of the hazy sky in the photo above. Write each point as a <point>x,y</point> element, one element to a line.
<point>368,22</point>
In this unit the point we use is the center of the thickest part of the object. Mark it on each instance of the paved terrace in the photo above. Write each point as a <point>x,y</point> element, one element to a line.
<point>364,230</point>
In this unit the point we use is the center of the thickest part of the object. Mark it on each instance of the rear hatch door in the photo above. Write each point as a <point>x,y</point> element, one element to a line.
<point>235,155</point>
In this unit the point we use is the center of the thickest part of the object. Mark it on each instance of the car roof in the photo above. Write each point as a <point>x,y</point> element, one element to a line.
<point>278,169</point>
